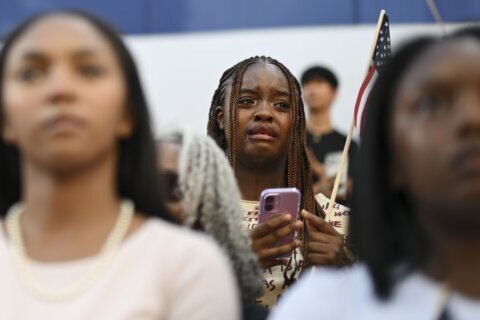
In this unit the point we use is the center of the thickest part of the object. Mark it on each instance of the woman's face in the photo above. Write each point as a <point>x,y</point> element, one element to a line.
<point>264,114</point>
<point>64,95</point>
<point>167,160</point>
<point>436,136</point>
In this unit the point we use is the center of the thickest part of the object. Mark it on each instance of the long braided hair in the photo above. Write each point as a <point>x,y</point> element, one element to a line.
<point>298,170</point>
<point>211,203</point>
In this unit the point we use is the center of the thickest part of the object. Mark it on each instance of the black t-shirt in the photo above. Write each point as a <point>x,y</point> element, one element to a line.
<point>326,145</point>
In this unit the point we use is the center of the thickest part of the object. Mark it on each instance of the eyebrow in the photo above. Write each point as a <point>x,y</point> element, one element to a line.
<point>282,92</point>
<point>276,91</point>
<point>434,84</point>
<point>248,91</point>
<point>38,55</point>
<point>85,53</point>
<point>33,55</point>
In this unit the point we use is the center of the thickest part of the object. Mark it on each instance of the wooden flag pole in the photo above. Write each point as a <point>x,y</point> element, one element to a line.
<point>343,162</point>
<point>436,14</point>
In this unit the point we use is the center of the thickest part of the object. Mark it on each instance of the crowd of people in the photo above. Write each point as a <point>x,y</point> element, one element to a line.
<point>99,219</point>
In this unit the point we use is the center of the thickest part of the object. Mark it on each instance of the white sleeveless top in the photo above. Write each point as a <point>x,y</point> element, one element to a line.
<point>160,272</point>
<point>348,294</point>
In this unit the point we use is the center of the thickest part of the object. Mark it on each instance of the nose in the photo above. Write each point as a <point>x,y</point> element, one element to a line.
<point>61,86</point>
<point>468,114</point>
<point>263,113</point>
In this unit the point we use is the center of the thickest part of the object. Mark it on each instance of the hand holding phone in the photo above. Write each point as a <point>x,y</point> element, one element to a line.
<point>277,201</point>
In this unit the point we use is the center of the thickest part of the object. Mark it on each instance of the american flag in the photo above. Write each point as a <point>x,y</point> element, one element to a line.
<point>380,57</point>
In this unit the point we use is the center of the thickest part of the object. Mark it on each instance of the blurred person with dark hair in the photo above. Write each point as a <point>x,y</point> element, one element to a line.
<point>83,230</point>
<point>325,143</point>
<point>202,193</point>
<point>416,218</point>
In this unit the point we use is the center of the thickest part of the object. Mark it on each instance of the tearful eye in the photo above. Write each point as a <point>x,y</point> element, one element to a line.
<point>246,101</point>
<point>282,105</point>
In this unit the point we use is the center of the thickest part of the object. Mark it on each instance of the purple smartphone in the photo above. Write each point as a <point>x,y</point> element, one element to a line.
<point>279,200</point>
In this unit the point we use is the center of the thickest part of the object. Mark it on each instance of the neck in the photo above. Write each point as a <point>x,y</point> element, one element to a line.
<point>70,203</point>
<point>460,262</point>
<point>319,122</point>
<point>253,182</point>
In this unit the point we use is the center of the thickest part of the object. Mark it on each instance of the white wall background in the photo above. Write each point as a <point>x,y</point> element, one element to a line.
<point>181,72</point>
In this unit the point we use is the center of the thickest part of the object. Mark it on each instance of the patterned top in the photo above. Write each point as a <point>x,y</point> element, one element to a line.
<point>340,216</point>
<point>278,278</point>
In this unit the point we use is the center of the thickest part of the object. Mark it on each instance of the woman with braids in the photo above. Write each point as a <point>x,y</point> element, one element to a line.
<point>202,193</point>
<point>416,218</point>
<point>83,231</point>
<point>257,118</point>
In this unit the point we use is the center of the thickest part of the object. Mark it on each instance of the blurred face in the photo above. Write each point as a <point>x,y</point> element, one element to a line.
<point>318,95</point>
<point>64,95</point>
<point>436,136</point>
<point>168,154</point>
<point>264,107</point>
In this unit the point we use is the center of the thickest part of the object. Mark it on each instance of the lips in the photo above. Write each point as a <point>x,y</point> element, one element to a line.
<point>467,161</point>
<point>63,123</point>
<point>262,133</point>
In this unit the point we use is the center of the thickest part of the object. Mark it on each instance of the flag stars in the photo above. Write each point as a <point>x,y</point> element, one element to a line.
<point>378,62</point>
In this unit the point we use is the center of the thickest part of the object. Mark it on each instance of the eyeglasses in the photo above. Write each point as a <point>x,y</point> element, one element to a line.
<point>170,188</point>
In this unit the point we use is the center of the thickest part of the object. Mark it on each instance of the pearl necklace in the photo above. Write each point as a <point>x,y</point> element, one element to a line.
<point>22,265</point>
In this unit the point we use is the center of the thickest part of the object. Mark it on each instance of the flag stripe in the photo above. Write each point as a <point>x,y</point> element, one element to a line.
<point>362,95</point>
<point>378,61</point>
<point>365,106</point>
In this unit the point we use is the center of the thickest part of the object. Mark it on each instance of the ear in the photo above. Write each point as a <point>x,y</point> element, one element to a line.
<point>125,128</point>
<point>220,117</point>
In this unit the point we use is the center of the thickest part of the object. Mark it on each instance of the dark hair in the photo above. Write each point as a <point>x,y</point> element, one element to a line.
<point>385,232</point>
<point>319,73</point>
<point>298,168</point>
<point>137,173</point>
